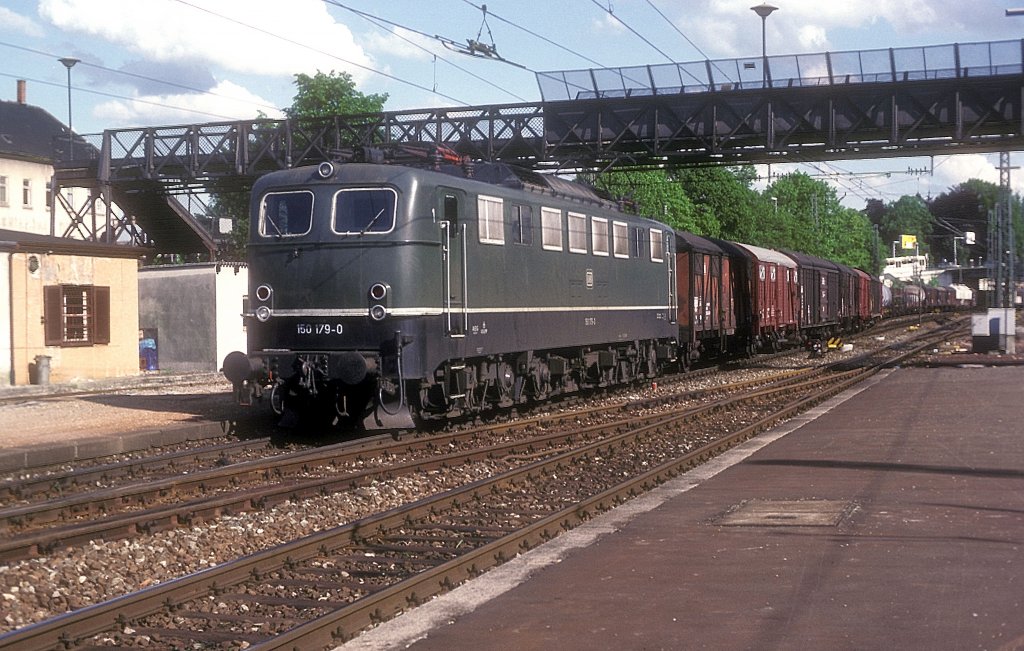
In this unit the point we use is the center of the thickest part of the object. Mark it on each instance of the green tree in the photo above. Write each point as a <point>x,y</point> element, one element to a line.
<point>964,207</point>
<point>908,215</point>
<point>725,198</point>
<point>658,197</point>
<point>807,210</point>
<point>329,94</point>
<point>855,241</point>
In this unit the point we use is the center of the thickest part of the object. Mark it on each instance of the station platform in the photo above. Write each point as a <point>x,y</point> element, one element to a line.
<point>63,423</point>
<point>891,517</point>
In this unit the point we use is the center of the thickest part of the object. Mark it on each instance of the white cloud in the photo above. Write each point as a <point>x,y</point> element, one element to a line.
<point>730,29</point>
<point>952,170</point>
<point>402,44</point>
<point>226,101</point>
<point>607,23</point>
<point>813,38</point>
<point>260,37</point>
<point>18,24</point>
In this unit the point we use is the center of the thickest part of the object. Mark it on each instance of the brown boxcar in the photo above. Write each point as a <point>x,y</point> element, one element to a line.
<point>847,313</point>
<point>774,295</point>
<point>869,298</point>
<point>707,306</point>
<point>819,295</point>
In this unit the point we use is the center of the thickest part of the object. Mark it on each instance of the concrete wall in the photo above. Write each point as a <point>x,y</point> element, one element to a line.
<point>195,311</point>
<point>72,363</point>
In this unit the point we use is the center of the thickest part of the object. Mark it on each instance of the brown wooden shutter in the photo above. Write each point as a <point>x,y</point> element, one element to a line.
<point>52,321</point>
<point>101,315</point>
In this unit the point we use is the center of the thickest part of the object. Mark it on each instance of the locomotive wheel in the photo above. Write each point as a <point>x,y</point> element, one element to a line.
<point>504,384</point>
<point>277,398</point>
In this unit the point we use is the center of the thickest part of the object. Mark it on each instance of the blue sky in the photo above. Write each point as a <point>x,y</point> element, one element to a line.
<point>164,62</point>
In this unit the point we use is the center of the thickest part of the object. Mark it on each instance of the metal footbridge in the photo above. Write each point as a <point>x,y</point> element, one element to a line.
<point>941,99</point>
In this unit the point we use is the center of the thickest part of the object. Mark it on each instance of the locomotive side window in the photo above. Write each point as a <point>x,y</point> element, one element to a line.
<point>364,210</point>
<point>285,214</point>
<point>620,240</point>
<point>657,246</point>
<point>490,220</point>
<point>600,235</point>
<point>522,224</point>
<point>577,232</point>
<point>551,228</point>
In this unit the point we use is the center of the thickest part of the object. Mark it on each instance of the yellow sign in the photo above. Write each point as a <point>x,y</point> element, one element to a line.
<point>909,241</point>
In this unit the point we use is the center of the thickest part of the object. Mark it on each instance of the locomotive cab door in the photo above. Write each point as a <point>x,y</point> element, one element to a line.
<point>450,210</point>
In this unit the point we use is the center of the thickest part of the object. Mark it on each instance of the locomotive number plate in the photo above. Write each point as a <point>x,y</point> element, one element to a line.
<point>318,328</point>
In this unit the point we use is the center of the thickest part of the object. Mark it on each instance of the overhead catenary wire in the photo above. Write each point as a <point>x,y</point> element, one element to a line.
<point>139,100</point>
<point>319,51</point>
<point>547,40</point>
<point>377,20</point>
<point>51,55</point>
<point>725,74</point>
<point>643,38</point>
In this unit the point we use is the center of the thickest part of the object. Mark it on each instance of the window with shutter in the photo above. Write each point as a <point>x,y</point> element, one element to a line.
<point>101,315</point>
<point>76,315</point>
<point>52,320</point>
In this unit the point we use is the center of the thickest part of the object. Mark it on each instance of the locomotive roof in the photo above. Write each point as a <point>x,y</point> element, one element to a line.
<point>499,174</point>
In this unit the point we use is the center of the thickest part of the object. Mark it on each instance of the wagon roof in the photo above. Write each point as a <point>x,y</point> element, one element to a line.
<point>814,262</point>
<point>691,242</point>
<point>769,255</point>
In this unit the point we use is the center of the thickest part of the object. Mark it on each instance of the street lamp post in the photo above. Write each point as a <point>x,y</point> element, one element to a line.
<point>764,10</point>
<point>956,262</point>
<point>69,63</point>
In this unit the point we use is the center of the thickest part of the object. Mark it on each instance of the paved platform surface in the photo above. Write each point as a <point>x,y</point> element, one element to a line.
<point>888,519</point>
<point>61,423</point>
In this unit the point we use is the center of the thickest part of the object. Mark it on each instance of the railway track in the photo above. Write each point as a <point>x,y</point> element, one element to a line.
<point>186,487</point>
<point>141,507</point>
<point>324,588</point>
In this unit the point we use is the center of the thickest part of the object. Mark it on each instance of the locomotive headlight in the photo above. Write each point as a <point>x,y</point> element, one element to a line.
<point>379,291</point>
<point>263,314</point>
<point>325,170</point>
<point>264,292</point>
<point>378,312</point>
<point>378,296</point>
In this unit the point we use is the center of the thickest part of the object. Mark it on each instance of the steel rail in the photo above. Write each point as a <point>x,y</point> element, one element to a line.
<point>35,543</point>
<point>348,620</point>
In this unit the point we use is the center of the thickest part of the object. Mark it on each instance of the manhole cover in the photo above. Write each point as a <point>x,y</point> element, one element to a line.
<point>787,513</point>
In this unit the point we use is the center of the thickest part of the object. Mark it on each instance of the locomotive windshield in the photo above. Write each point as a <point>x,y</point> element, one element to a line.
<point>286,213</point>
<point>358,211</point>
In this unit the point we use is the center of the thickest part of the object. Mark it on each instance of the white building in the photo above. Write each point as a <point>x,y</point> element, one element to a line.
<point>28,137</point>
